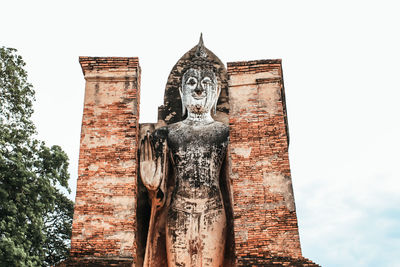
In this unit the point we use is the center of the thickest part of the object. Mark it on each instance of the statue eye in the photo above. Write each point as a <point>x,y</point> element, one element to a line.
<point>206,81</point>
<point>191,81</point>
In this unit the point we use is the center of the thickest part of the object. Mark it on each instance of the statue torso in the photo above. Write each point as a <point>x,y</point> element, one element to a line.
<point>197,154</point>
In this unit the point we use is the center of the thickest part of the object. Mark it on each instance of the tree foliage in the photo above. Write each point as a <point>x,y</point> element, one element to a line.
<point>35,216</point>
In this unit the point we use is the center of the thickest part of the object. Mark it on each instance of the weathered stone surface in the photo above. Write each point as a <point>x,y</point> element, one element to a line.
<point>265,221</point>
<point>104,224</point>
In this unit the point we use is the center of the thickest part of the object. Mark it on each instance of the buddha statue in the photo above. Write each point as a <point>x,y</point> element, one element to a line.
<point>188,155</point>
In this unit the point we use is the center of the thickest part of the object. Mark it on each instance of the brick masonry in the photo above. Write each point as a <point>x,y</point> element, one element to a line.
<point>104,225</point>
<point>265,222</point>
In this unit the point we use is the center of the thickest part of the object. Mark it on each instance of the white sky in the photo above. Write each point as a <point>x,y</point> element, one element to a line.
<point>341,68</point>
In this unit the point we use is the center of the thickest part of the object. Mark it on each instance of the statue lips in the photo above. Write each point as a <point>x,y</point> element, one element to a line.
<point>198,96</point>
<point>197,109</point>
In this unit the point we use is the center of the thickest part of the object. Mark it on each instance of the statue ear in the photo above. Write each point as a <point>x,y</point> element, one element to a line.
<point>183,102</point>
<point>216,100</point>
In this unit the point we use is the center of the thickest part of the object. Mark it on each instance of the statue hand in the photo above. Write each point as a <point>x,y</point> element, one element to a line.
<point>150,167</point>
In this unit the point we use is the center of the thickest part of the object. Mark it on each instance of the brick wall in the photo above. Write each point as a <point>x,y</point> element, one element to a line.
<point>265,221</point>
<point>104,224</point>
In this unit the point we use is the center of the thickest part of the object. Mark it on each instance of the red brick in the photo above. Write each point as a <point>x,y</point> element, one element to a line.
<point>104,224</point>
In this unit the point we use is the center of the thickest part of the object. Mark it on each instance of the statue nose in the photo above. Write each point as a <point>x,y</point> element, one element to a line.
<point>198,90</point>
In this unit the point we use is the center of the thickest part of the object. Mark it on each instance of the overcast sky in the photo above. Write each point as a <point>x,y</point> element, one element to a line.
<point>341,68</point>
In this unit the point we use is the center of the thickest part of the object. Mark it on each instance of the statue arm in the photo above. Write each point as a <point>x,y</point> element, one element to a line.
<point>150,166</point>
<point>153,172</point>
<point>153,164</point>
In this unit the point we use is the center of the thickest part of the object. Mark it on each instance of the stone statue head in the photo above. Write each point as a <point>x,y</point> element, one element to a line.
<point>199,90</point>
<point>199,62</point>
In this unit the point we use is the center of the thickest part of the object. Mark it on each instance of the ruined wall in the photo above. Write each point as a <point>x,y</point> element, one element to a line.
<point>111,209</point>
<point>265,222</point>
<point>104,224</point>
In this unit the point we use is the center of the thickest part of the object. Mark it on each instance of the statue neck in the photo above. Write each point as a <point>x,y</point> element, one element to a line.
<point>198,118</point>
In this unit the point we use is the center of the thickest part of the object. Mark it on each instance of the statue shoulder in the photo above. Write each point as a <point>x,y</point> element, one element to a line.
<point>222,128</point>
<point>163,132</point>
<point>174,126</point>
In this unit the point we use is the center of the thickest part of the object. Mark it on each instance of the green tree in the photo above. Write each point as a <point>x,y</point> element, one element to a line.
<point>35,216</point>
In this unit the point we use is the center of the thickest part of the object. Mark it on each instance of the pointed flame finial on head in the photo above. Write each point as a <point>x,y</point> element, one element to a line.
<point>201,39</point>
<point>200,51</point>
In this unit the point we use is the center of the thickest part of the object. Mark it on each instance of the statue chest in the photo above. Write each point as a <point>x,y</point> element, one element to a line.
<point>197,148</point>
<point>197,155</point>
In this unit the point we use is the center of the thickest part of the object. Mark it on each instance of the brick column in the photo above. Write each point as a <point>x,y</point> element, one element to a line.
<point>104,224</point>
<point>265,221</point>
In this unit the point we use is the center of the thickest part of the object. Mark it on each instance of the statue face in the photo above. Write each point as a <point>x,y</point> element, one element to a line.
<point>199,90</point>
